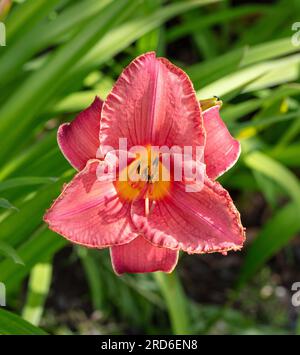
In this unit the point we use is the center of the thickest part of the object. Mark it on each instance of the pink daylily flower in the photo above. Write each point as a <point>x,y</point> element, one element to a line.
<point>153,103</point>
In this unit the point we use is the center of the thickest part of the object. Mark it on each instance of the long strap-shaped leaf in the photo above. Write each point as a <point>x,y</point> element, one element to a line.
<point>279,230</point>
<point>44,34</point>
<point>20,109</point>
<point>42,245</point>
<point>11,324</point>
<point>275,234</point>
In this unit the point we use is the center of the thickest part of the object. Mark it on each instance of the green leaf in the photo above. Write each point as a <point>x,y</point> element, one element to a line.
<point>11,324</point>
<point>209,71</point>
<point>18,226</point>
<point>6,204</point>
<point>29,156</point>
<point>175,298</point>
<point>245,79</point>
<point>92,271</point>
<point>277,172</point>
<point>291,133</point>
<point>36,91</point>
<point>44,34</point>
<point>288,156</point>
<point>216,18</point>
<point>26,15</point>
<point>10,252</point>
<point>110,45</point>
<point>38,288</point>
<point>267,187</point>
<point>279,230</point>
<point>274,235</point>
<point>286,71</point>
<point>121,37</point>
<point>268,50</point>
<point>25,181</point>
<point>265,122</point>
<point>234,112</point>
<point>267,25</point>
<point>241,58</point>
<point>41,246</point>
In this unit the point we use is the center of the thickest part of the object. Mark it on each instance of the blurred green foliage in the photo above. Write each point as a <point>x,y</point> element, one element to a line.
<point>59,55</point>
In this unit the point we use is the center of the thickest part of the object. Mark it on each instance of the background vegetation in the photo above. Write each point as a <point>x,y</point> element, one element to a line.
<point>59,55</point>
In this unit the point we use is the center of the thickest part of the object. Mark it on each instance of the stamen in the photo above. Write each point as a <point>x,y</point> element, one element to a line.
<point>152,206</point>
<point>147,206</point>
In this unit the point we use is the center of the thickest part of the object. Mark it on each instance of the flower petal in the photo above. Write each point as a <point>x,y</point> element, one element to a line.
<point>140,256</point>
<point>79,140</point>
<point>89,212</point>
<point>196,222</point>
<point>221,149</point>
<point>153,102</point>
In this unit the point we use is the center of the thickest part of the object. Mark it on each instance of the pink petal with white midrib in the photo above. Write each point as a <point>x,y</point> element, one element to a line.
<point>88,212</point>
<point>196,222</point>
<point>152,103</point>
<point>140,256</point>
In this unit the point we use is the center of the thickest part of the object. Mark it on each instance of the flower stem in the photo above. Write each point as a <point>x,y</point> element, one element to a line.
<point>175,299</point>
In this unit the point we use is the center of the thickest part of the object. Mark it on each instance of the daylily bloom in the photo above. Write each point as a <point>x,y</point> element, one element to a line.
<point>153,103</point>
